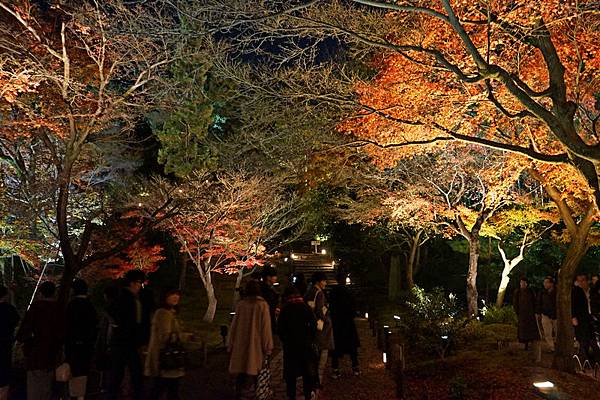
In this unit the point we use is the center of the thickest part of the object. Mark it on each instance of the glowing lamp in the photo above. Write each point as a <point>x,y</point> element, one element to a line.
<point>544,385</point>
<point>445,337</point>
<point>294,256</point>
<point>385,358</point>
<point>367,315</point>
<point>397,317</point>
<point>348,280</point>
<point>285,259</point>
<point>323,251</point>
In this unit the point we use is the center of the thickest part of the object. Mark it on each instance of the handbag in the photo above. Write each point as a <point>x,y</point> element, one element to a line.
<point>63,372</point>
<point>173,355</point>
<point>263,383</point>
<point>313,304</point>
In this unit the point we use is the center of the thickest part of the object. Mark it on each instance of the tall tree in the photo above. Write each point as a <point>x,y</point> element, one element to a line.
<point>78,77</point>
<point>465,192</point>
<point>575,204</point>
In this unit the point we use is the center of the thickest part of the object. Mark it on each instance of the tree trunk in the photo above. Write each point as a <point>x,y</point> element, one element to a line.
<point>69,257</point>
<point>209,316</point>
<point>509,265</point>
<point>183,271</point>
<point>412,260</point>
<point>238,285</point>
<point>472,295</point>
<point>503,285</point>
<point>395,277</point>
<point>563,356</point>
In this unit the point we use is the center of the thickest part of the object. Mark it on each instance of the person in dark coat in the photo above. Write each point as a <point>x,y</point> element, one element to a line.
<point>345,335</point>
<point>106,327</point>
<point>524,304</point>
<point>580,314</point>
<point>595,318</point>
<point>268,292</point>
<point>81,332</point>
<point>42,335</point>
<point>10,318</point>
<point>297,328</point>
<point>128,336</point>
<point>317,301</point>
<point>546,309</point>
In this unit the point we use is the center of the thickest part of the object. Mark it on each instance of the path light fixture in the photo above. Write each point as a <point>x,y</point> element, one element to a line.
<point>385,358</point>
<point>543,385</point>
<point>366,315</point>
<point>548,390</point>
<point>348,280</point>
<point>397,317</point>
<point>323,251</point>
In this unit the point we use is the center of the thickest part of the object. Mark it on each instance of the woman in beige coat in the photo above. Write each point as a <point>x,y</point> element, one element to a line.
<point>164,327</point>
<point>250,340</point>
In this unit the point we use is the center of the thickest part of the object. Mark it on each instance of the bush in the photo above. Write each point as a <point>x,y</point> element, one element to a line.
<point>501,332</point>
<point>432,322</point>
<point>499,315</point>
<point>473,331</point>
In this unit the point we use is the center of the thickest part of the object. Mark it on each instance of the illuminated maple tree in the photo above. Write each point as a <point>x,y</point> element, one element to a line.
<point>225,223</point>
<point>74,80</point>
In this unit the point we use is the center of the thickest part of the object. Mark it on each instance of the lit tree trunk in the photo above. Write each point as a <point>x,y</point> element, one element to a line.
<point>211,310</point>
<point>415,243</point>
<point>238,285</point>
<point>472,295</point>
<point>563,356</point>
<point>472,237</point>
<point>509,265</point>
<point>69,257</point>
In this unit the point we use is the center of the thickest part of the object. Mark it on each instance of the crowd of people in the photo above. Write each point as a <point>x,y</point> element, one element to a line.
<point>63,343</point>
<point>537,314</point>
<point>304,322</point>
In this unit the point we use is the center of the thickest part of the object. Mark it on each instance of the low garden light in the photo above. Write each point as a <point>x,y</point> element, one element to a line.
<point>285,259</point>
<point>397,317</point>
<point>323,251</point>
<point>543,385</point>
<point>385,358</point>
<point>366,315</point>
<point>348,280</point>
